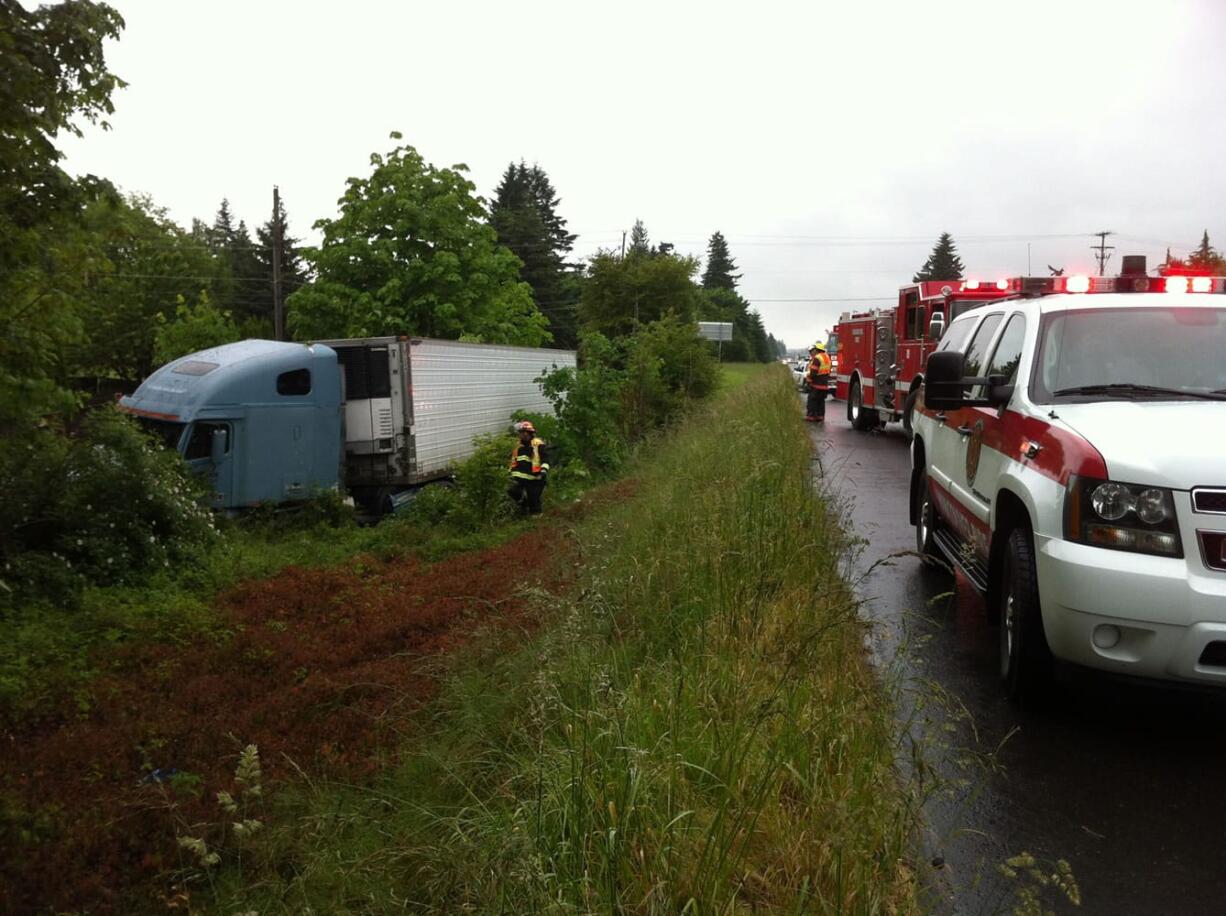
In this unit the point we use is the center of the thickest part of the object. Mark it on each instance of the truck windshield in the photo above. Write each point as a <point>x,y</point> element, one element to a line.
<point>1131,354</point>
<point>166,431</point>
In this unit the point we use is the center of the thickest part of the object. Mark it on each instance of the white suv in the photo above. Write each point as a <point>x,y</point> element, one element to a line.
<point>1070,457</point>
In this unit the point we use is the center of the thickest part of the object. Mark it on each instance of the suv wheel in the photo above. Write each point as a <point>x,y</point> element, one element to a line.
<point>925,522</point>
<point>1025,660</point>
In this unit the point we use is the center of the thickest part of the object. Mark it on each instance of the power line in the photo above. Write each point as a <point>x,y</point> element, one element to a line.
<point>831,299</point>
<point>1102,247</point>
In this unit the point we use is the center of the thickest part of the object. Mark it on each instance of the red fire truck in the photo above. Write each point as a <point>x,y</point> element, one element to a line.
<point>882,352</point>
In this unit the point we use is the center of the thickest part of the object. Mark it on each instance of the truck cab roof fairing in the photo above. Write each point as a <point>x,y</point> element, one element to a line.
<point>236,373</point>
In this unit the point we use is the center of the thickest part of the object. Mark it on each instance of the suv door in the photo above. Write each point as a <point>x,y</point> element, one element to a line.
<point>948,464</point>
<point>984,460</point>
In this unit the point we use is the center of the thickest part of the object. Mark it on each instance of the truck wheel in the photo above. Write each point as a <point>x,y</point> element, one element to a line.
<point>861,418</point>
<point>908,409</point>
<point>925,525</point>
<point>1025,659</point>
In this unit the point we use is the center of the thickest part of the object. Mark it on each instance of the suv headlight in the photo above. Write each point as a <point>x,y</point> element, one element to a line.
<point>1121,516</point>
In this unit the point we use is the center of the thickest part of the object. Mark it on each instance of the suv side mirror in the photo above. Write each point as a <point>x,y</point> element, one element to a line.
<point>943,380</point>
<point>217,445</point>
<point>945,386</point>
<point>998,393</point>
<point>936,325</point>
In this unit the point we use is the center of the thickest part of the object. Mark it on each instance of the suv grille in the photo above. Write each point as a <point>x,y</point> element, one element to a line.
<point>1210,501</point>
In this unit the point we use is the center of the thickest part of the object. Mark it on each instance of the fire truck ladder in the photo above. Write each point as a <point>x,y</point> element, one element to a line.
<point>884,367</point>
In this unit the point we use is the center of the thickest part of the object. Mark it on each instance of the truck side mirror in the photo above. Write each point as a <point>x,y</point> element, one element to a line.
<point>943,380</point>
<point>217,445</point>
<point>936,325</point>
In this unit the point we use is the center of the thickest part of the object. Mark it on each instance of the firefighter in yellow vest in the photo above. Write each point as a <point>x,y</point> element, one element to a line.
<point>528,470</point>
<point>817,378</point>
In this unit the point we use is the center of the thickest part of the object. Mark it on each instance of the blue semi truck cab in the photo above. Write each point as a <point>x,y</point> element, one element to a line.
<point>259,420</point>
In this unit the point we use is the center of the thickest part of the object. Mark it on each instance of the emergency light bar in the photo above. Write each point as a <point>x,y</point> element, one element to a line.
<point>1044,286</point>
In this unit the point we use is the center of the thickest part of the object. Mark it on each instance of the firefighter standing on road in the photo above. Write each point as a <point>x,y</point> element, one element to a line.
<point>528,471</point>
<point>817,379</point>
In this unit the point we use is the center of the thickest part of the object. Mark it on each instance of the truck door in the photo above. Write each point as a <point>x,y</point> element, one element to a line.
<point>213,463</point>
<point>912,315</point>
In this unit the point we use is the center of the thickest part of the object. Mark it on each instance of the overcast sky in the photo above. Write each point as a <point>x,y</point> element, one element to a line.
<point>830,142</point>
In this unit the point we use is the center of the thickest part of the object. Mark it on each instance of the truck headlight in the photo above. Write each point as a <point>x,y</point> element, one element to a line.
<point>1121,516</point>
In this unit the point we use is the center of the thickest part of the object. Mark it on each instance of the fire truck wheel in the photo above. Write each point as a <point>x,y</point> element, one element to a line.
<point>860,418</point>
<point>908,409</point>
<point>925,514</point>
<point>1025,660</point>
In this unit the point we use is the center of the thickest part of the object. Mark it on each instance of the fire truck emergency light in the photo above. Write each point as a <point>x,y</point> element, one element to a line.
<point>1077,284</point>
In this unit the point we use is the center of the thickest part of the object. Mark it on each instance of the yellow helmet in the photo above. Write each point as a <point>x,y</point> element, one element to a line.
<point>819,346</point>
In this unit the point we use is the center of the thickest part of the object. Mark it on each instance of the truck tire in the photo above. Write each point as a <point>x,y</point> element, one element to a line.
<point>1025,659</point>
<point>861,418</point>
<point>908,409</point>
<point>925,525</point>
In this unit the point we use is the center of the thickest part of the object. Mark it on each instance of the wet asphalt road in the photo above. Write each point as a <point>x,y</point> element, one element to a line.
<point>1127,783</point>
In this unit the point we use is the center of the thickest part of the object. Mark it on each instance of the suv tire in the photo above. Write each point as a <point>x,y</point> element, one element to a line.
<point>1025,660</point>
<point>925,525</point>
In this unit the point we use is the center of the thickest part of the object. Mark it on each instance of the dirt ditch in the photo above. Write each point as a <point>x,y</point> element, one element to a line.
<point>315,666</point>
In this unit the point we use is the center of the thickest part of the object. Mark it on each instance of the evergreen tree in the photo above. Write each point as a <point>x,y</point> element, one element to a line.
<point>524,215</point>
<point>252,289</point>
<point>640,245</point>
<point>943,263</point>
<point>1206,257</point>
<point>720,266</point>
<point>222,232</point>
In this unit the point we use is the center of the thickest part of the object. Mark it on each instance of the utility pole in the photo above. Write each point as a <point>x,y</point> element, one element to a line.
<point>1102,248</point>
<point>623,244</point>
<point>278,314</point>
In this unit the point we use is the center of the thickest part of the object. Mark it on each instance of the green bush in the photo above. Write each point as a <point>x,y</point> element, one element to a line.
<point>668,366</point>
<point>586,403</point>
<point>105,507</point>
<point>324,509</point>
<point>479,499</point>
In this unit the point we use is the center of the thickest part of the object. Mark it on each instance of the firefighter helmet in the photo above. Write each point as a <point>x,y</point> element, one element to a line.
<point>819,346</point>
<point>525,426</point>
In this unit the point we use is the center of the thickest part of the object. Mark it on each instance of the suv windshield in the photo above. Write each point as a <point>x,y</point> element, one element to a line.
<point>1132,354</point>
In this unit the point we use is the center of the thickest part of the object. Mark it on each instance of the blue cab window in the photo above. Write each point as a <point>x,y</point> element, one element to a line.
<point>294,383</point>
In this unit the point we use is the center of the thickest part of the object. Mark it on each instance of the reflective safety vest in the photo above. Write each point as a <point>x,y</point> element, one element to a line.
<point>818,373</point>
<point>526,461</point>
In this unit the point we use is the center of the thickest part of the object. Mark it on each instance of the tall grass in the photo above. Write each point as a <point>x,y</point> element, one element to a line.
<point>698,732</point>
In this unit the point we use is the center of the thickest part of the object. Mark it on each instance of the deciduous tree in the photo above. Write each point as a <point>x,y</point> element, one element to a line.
<point>53,70</point>
<point>411,253</point>
<point>620,295</point>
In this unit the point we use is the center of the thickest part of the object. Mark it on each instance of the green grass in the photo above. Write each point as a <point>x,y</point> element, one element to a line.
<point>696,731</point>
<point>735,374</point>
